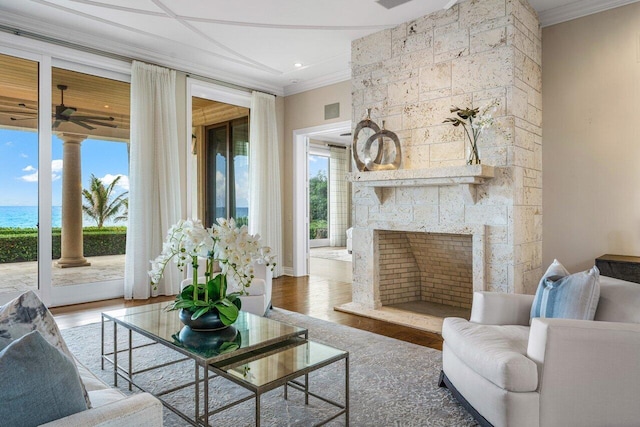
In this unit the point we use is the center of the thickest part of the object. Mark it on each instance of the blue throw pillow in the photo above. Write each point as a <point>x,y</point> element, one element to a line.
<point>39,383</point>
<point>25,314</point>
<point>567,296</point>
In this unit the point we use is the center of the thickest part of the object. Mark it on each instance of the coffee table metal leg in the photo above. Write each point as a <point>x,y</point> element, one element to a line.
<point>115,354</point>
<point>197,391</point>
<point>102,343</point>
<point>206,394</point>
<point>257,409</point>
<point>306,389</point>
<point>346,391</point>
<point>130,359</point>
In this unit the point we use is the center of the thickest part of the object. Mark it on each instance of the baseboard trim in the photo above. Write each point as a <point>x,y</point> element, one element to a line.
<point>287,271</point>
<point>446,383</point>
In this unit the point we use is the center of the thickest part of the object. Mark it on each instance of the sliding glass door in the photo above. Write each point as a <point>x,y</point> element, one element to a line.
<point>19,165</point>
<point>63,179</point>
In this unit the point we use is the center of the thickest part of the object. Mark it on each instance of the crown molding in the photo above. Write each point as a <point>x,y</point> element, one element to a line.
<point>326,80</point>
<point>124,51</point>
<point>578,9</point>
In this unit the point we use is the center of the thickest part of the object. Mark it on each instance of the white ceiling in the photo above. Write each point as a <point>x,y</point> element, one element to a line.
<point>253,43</point>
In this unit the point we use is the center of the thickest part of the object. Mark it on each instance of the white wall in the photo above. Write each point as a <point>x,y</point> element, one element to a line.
<point>591,137</point>
<point>304,110</point>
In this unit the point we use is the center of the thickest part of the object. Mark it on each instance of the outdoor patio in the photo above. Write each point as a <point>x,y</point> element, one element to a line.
<point>23,276</point>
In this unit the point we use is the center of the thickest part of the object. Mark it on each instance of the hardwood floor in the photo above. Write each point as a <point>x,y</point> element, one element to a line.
<point>314,296</point>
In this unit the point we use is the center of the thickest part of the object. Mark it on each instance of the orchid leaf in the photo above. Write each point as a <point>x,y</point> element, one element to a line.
<point>200,312</point>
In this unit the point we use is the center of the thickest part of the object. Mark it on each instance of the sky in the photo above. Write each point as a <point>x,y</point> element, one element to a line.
<point>19,166</point>
<point>318,163</point>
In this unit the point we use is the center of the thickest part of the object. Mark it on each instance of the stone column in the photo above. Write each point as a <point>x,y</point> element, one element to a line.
<point>72,245</point>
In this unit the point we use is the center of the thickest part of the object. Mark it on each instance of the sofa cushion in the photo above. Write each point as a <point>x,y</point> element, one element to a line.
<point>39,383</point>
<point>495,352</point>
<point>567,296</point>
<point>619,301</point>
<point>25,314</point>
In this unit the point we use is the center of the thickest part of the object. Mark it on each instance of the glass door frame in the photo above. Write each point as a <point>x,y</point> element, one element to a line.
<point>47,56</point>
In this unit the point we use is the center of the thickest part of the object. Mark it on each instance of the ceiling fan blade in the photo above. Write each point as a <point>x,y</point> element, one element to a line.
<point>68,111</point>
<point>24,118</point>
<point>93,118</point>
<point>55,124</point>
<point>93,122</point>
<point>79,123</point>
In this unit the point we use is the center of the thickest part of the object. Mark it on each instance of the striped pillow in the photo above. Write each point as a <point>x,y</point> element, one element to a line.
<point>567,296</point>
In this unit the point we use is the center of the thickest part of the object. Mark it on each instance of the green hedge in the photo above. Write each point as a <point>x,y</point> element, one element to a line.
<point>20,244</point>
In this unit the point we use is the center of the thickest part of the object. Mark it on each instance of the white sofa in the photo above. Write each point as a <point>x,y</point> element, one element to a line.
<point>111,407</point>
<point>555,372</point>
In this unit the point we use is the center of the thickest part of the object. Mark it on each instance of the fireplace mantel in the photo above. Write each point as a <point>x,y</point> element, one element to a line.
<point>465,176</point>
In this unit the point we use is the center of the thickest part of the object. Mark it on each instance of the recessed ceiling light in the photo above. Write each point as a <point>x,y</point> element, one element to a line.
<point>298,64</point>
<point>106,106</point>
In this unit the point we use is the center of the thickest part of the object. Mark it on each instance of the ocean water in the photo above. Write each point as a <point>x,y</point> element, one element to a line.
<point>27,217</point>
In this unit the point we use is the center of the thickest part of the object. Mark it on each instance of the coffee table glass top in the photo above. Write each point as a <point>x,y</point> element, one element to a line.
<point>253,332</point>
<point>300,357</point>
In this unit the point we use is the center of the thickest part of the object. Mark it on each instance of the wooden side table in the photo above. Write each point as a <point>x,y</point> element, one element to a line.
<point>621,267</point>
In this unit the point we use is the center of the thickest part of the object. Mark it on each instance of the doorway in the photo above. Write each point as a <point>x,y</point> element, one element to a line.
<point>337,133</point>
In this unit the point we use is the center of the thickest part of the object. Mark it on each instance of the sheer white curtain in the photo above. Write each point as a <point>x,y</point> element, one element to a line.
<point>338,196</point>
<point>265,210</point>
<point>154,181</point>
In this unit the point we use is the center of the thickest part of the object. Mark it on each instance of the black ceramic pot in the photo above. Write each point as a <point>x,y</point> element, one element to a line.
<point>208,322</point>
<point>209,343</point>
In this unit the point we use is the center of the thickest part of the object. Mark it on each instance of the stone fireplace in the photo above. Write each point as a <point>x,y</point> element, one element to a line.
<point>448,228</point>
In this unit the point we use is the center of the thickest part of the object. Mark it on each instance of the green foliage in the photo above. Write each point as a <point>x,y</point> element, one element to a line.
<point>243,220</point>
<point>210,296</point>
<point>21,244</point>
<point>318,197</point>
<point>100,205</point>
<point>318,229</point>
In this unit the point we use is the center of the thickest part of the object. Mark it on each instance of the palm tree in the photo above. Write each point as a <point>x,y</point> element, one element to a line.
<point>98,204</point>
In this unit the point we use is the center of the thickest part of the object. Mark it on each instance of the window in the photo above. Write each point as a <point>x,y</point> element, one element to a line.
<point>227,171</point>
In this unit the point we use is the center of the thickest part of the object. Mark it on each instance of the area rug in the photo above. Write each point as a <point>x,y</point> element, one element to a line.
<point>392,382</point>
<point>340,254</point>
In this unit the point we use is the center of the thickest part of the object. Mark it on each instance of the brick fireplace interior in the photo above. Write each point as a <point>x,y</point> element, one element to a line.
<point>416,267</point>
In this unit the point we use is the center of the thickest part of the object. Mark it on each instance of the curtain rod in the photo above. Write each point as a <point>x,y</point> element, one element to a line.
<point>71,45</point>
<point>337,146</point>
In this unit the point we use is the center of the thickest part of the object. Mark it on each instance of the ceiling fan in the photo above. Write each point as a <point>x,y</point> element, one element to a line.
<point>65,114</point>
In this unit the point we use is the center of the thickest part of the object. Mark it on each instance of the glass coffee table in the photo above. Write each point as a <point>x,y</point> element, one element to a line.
<point>264,354</point>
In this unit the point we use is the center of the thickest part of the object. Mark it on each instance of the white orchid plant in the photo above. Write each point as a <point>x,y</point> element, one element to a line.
<point>473,121</point>
<point>225,245</point>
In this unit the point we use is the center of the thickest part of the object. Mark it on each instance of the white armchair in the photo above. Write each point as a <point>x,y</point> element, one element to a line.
<point>258,298</point>
<point>556,372</point>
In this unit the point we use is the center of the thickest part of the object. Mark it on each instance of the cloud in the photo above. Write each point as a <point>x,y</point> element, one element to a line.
<point>56,169</point>
<point>32,177</point>
<point>221,186</point>
<point>122,184</point>
<point>56,172</point>
<point>9,143</point>
<point>24,156</point>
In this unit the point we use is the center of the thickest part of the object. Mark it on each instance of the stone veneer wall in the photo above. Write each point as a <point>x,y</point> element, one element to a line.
<point>474,53</point>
